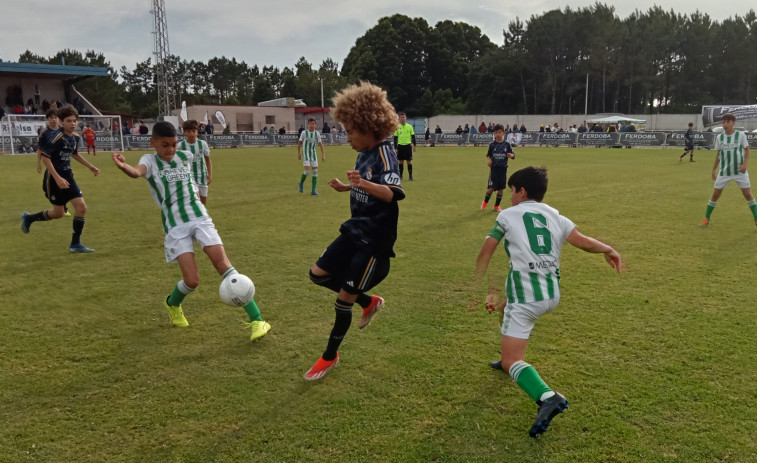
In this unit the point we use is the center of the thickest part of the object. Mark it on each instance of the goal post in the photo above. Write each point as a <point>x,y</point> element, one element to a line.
<point>19,133</point>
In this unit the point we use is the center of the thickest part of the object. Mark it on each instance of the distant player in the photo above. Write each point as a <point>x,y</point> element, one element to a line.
<point>730,165</point>
<point>534,234</point>
<point>309,139</point>
<point>358,259</point>
<point>89,138</point>
<point>688,139</point>
<point>57,148</point>
<point>404,137</point>
<point>53,123</point>
<point>496,158</point>
<point>202,168</point>
<point>185,220</point>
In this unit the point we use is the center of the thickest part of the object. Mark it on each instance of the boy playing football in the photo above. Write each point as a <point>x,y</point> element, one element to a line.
<point>57,148</point>
<point>496,158</point>
<point>202,168</point>
<point>358,259</point>
<point>533,234</point>
<point>185,220</point>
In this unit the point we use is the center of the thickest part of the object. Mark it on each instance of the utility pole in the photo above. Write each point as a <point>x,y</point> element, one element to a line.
<point>163,81</point>
<point>586,101</point>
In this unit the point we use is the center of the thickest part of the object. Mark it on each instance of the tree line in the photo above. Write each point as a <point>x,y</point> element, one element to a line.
<point>654,61</point>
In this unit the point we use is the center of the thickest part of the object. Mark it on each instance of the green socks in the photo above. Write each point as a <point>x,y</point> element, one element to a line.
<point>178,294</point>
<point>753,207</point>
<point>529,380</point>
<point>315,181</point>
<point>710,206</point>
<point>253,312</point>
<point>302,178</point>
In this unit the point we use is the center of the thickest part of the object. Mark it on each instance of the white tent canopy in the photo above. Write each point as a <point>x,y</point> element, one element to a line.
<point>616,120</point>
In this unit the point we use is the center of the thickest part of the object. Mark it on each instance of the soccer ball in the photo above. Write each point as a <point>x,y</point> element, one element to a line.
<point>237,290</point>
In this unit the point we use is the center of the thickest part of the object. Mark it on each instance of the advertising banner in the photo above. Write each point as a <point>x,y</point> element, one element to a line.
<point>223,141</point>
<point>752,137</point>
<point>565,138</point>
<point>256,139</point>
<point>288,139</point>
<point>529,138</point>
<point>700,139</point>
<point>480,138</point>
<point>713,115</point>
<point>137,142</point>
<point>642,138</point>
<point>598,138</point>
<point>451,138</point>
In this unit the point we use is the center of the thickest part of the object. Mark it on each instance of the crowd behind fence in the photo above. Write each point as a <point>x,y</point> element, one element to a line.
<point>590,139</point>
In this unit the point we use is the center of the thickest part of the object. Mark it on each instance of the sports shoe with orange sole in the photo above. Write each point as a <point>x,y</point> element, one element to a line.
<point>704,222</point>
<point>497,208</point>
<point>377,302</point>
<point>320,368</point>
<point>483,205</point>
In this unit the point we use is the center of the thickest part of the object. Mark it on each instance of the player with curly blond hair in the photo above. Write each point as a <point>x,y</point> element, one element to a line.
<point>358,259</point>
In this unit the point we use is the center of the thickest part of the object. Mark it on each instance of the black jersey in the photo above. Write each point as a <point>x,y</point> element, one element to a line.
<point>374,222</point>
<point>689,137</point>
<point>498,152</point>
<point>59,148</point>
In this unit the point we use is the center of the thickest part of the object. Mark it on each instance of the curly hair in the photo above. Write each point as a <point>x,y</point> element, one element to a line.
<point>365,108</point>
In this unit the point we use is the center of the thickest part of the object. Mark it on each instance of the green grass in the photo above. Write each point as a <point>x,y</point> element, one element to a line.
<point>658,363</point>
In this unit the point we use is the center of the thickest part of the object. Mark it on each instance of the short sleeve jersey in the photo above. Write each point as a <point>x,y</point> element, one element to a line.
<point>373,224</point>
<point>199,150</point>
<point>173,189</point>
<point>404,134</point>
<point>59,148</point>
<point>731,151</point>
<point>309,141</point>
<point>498,153</point>
<point>533,237</point>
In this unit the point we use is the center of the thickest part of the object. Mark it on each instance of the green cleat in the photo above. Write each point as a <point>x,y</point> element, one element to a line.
<point>259,329</point>
<point>177,315</point>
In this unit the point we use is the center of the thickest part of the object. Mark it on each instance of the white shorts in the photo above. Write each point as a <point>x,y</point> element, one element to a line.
<point>313,163</point>
<point>741,179</point>
<point>179,239</point>
<point>202,190</point>
<point>519,318</point>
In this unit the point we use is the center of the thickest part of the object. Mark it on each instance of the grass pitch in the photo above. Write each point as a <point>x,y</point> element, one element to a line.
<point>658,363</point>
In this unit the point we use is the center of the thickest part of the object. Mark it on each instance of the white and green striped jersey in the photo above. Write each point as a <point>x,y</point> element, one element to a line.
<point>309,142</point>
<point>534,234</point>
<point>731,148</point>
<point>199,167</point>
<point>173,188</point>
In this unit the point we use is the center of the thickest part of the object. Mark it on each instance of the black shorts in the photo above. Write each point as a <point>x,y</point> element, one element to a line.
<point>498,178</point>
<point>404,152</point>
<point>356,270</point>
<point>56,195</point>
<point>689,146</point>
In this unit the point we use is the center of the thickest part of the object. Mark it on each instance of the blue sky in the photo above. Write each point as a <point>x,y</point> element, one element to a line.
<point>272,33</point>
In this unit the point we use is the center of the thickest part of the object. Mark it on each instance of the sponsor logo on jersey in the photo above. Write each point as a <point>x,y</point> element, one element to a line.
<point>543,264</point>
<point>175,174</point>
<point>391,178</point>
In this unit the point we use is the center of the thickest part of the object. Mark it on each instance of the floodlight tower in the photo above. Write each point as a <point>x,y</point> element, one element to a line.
<point>166,96</point>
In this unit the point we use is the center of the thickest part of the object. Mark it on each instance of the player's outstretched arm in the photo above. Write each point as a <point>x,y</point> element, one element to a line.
<point>482,264</point>
<point>715,167</point>
<point>131,171</point>
<point>336,184</point>
<point>84,162</point>
<point>592,245</point>
<point>39,161</point>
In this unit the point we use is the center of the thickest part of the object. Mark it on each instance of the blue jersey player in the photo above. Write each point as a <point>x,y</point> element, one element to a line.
<point>358,259</point>
<point>57,148</point>
<point>496,158</point>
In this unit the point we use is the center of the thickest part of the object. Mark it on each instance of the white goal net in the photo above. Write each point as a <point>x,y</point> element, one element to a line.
<point>19,133</point>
